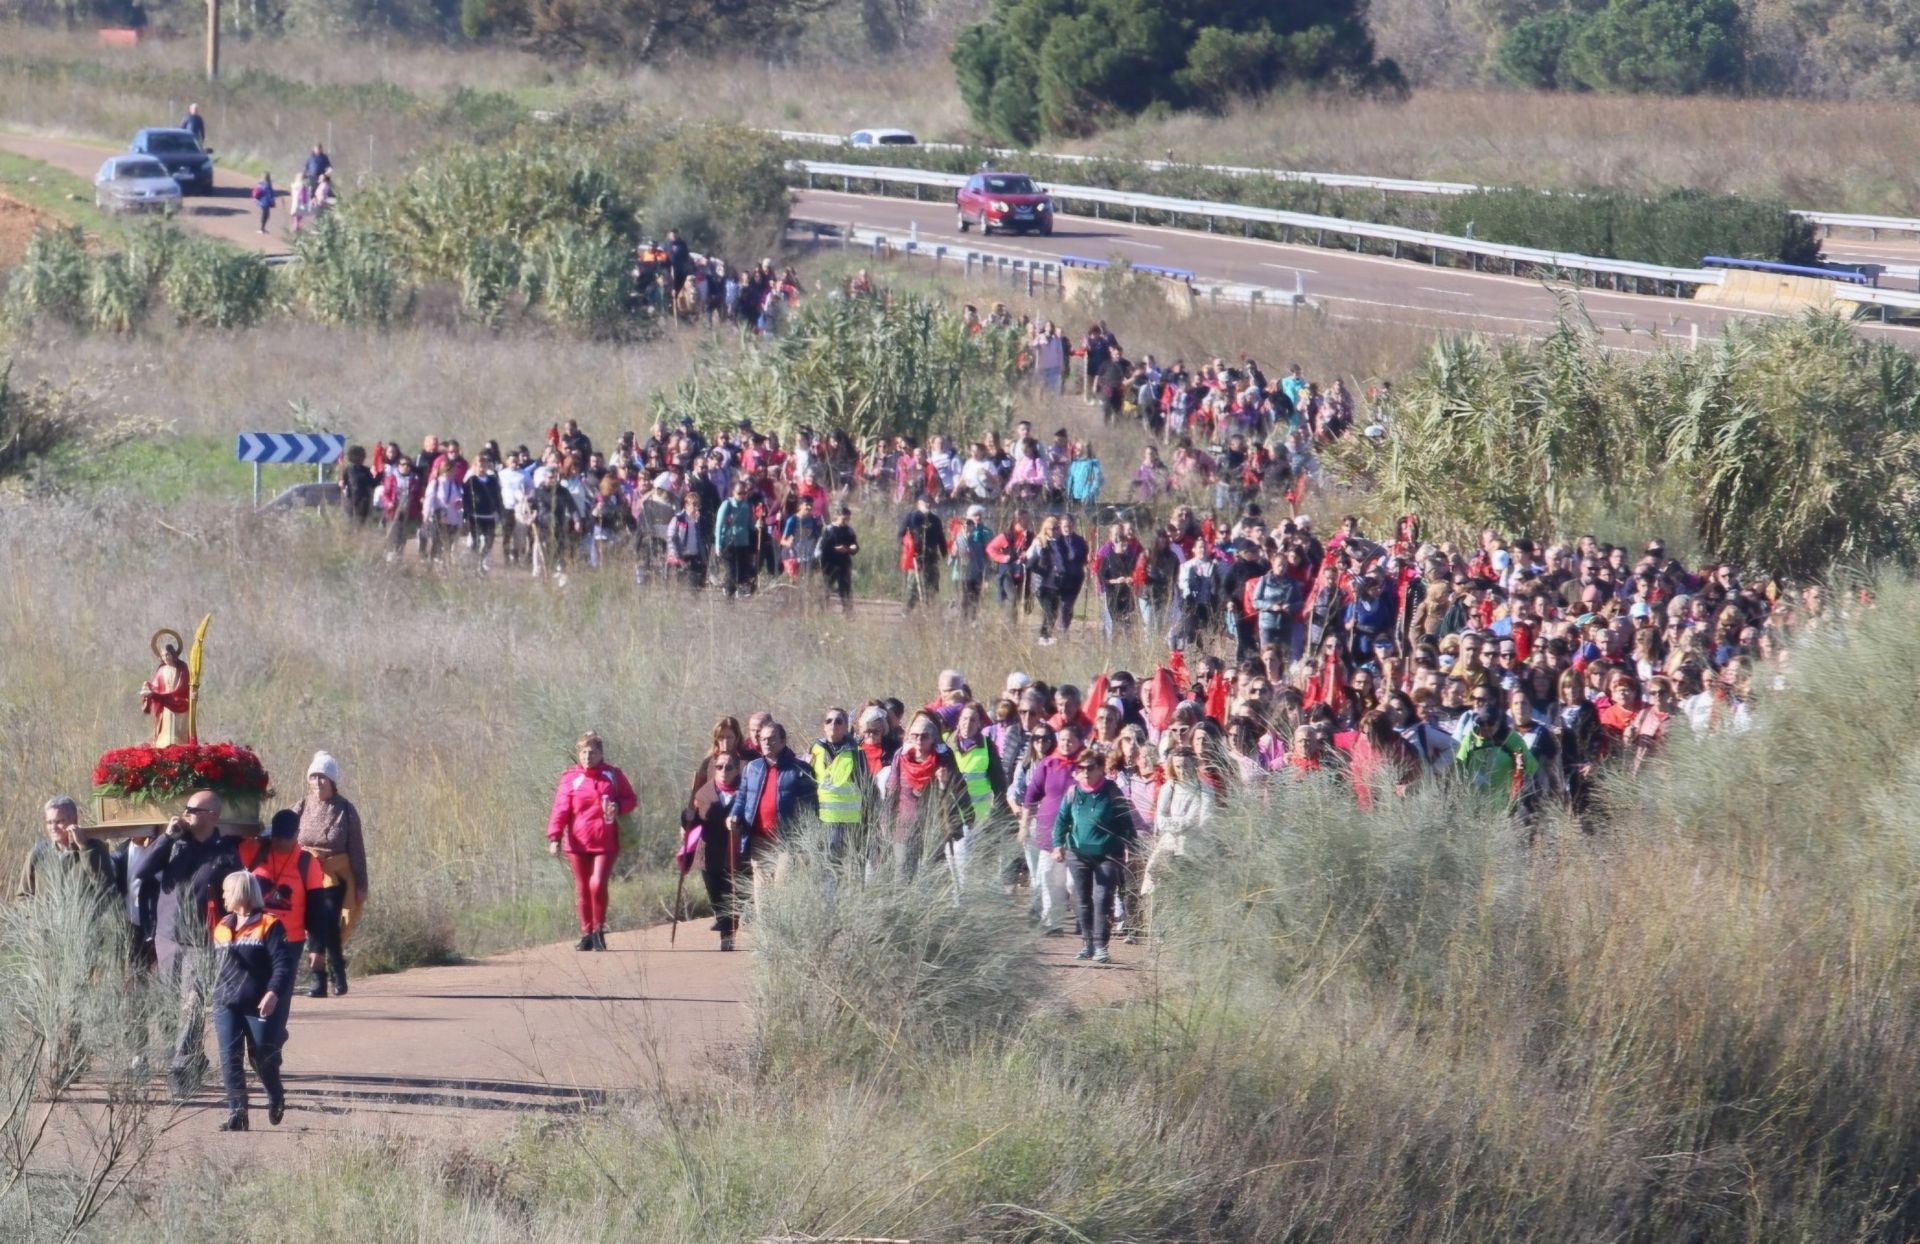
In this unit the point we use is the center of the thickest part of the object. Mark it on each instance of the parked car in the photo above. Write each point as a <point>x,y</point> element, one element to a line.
<point>1004,201</point>
<point>135,183</point>
<point>189,162</point>
<point>881,138</point>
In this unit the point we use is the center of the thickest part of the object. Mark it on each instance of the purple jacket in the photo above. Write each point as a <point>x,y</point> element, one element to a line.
<point>1047,784</point>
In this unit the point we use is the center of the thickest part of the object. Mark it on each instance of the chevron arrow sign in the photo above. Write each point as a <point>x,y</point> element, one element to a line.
<point>292,447</point>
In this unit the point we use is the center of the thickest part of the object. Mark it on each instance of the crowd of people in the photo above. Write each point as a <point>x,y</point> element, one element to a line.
<point>1518,670</point>
<point>738,508</point>
<point>220,916</point>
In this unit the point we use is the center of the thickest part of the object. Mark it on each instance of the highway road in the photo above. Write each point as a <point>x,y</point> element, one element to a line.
<point>1346,285</point>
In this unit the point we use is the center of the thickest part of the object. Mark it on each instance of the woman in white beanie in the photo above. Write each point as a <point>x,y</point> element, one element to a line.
<point>330,831</point>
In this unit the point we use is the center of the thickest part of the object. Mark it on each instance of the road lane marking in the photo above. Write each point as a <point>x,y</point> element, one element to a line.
<point>1289,267</point>
<point>1451,293</point>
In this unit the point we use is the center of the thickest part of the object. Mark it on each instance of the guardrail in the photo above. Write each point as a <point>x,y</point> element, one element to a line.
<point>1341,181</point>
<point>1626,274</point>
<point>1861,274</point>
<point>1887,300</point>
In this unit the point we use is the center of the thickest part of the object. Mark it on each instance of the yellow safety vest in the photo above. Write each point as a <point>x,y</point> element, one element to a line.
<point>973,767</point>
<point>833,778</point>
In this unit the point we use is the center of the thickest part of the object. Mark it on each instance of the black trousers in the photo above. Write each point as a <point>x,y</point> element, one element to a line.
<point>839,576</point>
<point>1096,879</point>
<point>742,569</point>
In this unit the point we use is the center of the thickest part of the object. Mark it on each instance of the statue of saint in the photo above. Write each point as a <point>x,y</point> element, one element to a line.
<point>167,696</point>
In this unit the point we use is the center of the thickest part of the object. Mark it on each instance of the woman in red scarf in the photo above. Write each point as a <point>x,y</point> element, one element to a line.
<point>923,797</point>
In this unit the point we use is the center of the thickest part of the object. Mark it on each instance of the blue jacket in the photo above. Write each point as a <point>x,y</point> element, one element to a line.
<point>1084,480</point>
<point>795,795</point>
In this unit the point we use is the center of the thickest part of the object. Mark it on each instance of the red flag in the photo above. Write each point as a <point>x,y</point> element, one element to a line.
<point>379,457</point>
<point>1217,697</point>
<point>1097,693</point>
<point>1140,572</point>
<point>1159,698</point>
<point>1177,662</point>
<point>906,551</point>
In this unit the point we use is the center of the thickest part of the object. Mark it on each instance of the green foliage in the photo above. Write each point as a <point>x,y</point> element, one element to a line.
<point>1069,66</point>
<point>1531,53</point>
<point>633,31</point>
<point>216,286</point>
<point>1676,228</point>
<point>580,275</point>
<point>903,366</point>
<point>116,299</point>
<point>1667,47</point>
<point>488,278</point>
<point>346,273</point>
<point>721,186</point>
<point>1517,433</point>
<point>53,277</point>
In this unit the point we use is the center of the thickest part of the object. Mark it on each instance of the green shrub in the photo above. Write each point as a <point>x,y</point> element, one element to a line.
<point>903,366</point>
<point>1070,66</point>
<point>53,277</point>
<point>489,277</point>
<point>116,298</point>
<point>1530,54</point>
<point>1666,47</point>
<point>1722,432</point>
<point>214,285</point>
<point>580,276</point>
<point>1676,229</point>
<point>346,273</point>
<point>34,422</point>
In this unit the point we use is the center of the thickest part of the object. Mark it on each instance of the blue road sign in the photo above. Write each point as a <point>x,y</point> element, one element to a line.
<point>294,447</point>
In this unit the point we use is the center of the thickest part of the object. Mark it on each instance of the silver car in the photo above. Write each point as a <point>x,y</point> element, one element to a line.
<point>135,183</point>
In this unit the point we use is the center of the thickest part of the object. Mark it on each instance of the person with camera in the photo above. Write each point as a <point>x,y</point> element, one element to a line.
<point>250,996</point>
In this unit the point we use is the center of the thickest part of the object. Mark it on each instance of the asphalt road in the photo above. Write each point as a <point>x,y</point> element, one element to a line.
<point>228,213</point>
<point>1348,286</point>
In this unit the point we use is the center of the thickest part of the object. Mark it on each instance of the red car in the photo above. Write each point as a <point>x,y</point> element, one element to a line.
<point>1004,201</point>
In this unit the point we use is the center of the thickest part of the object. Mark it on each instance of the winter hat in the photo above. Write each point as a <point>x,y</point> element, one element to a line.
<point>326,766</point>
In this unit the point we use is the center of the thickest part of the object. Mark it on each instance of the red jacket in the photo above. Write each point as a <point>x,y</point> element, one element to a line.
<point>577,823</point>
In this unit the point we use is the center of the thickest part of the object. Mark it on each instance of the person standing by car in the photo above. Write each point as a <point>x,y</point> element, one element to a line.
<point>317,163</point>
<point>584,825</point>
<point>195,124</point>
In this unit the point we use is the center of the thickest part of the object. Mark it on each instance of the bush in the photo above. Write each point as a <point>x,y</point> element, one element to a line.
<point>208,283</point>
<point>1531,53</point>
<point>1721,433</point>
<point>33,422</point>
<point>580,276</point>
<point>346,274</point>
<point>863,974</point>
<point>54,275</point>
<point>904,366</point>
<point>1048,66</point>
<point>1676,229</point>
<point>1666,47</point>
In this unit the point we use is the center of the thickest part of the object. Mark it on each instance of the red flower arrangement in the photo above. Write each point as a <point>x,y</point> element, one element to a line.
<point>159,774</point>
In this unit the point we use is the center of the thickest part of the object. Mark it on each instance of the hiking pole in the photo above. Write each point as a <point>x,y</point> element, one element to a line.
<point>679,888</point>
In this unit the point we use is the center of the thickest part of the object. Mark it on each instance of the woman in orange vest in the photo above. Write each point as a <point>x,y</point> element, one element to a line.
<point>256,972</point>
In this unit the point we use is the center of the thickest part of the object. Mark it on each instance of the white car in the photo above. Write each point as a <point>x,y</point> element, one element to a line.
<point>135,183</point>
<point>881,138</point>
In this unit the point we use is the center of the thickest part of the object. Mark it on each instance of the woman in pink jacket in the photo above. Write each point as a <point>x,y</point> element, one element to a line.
<point>585,824</point>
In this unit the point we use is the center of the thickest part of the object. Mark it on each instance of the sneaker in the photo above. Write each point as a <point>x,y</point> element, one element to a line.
<point>236,1121</point>
<point>1101,956</point>
<point>726,941</point>
<point>1131,939</point>
<point>585,942</point>
<point>1083,954</point>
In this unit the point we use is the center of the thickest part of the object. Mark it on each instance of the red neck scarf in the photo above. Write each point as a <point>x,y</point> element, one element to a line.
<point>918,772</point>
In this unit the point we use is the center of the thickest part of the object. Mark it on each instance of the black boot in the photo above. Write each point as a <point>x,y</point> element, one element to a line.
<point>319,987</point>
<point>599,939</point>
<point>337,969</point>
<point>236,1120</point>
<point>585,942</point>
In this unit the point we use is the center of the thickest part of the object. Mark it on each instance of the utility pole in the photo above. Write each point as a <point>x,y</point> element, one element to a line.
<point>213,40</point>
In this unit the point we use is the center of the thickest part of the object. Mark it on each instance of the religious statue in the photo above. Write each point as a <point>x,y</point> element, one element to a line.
<point>168,695</point>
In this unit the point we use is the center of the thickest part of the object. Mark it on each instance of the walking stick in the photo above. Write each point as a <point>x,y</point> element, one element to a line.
<point>679,888</point>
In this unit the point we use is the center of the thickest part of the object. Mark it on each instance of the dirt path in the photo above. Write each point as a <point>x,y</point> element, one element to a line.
<point>227,214</point>
<point>463,1053</point>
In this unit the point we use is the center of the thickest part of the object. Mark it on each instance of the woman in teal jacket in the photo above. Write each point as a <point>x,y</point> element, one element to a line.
<point>1091,835</point>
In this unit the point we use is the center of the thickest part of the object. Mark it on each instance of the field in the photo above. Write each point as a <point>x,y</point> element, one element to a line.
<point>379,105</point>
<point>1350,1027</point>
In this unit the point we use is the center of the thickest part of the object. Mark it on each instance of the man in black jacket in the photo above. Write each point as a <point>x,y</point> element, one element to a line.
<point>929,536</point>
<point>482,488</point>
<point>192,861</point>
